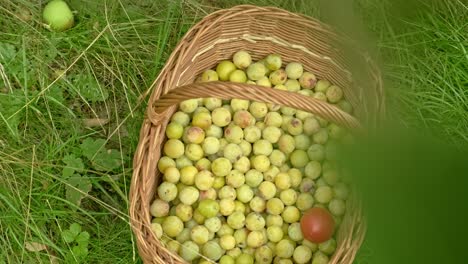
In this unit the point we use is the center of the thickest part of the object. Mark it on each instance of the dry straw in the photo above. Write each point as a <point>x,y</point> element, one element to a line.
<point>261,31</point>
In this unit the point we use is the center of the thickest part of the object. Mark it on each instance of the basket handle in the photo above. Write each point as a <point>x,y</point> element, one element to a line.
<point>163,107</point>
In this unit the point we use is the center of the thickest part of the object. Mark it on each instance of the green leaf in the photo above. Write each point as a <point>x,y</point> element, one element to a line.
<point>7,52</point>
<point>77,187</point>
<point>107,160</point>
<point>50,53</point>
<point>75,228</point>
<point>10,111</point>
<point>80,251</point>
<point>88,87</point>
<point>24,71</point>
<point>68,236</point>
<point>101,158</point>
<point>67,172</point>
<point>55,94</point>
<point>82,238</point>
<point>91,147</point>
<point>72,164</point>
<point>17,65</point>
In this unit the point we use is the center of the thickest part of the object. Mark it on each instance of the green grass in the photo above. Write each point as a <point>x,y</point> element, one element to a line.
<point>428,75</point>
<point>116,50</point>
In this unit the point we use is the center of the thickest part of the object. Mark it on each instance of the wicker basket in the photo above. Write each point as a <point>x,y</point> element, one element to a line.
<point>261,31</point>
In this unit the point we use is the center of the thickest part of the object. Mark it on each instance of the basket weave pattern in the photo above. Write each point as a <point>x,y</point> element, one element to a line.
<point>261,31</point>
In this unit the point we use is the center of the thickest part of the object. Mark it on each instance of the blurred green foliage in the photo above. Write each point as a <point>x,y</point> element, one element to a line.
<point>414,192</point>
